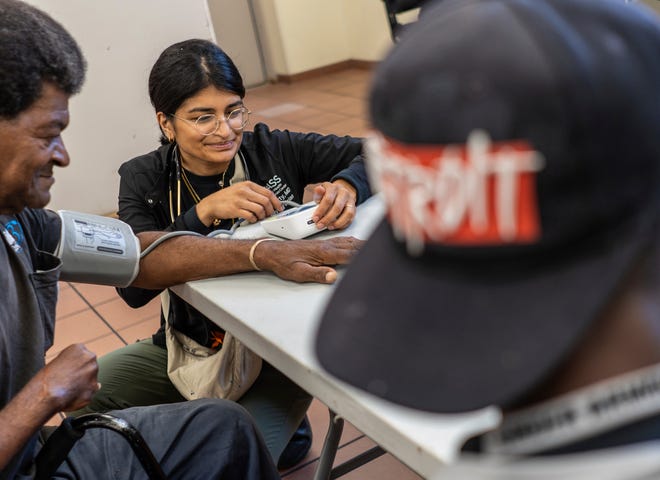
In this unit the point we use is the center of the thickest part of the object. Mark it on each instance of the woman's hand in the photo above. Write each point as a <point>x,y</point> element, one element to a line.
<point>243,200</point>
<point>336,204</point>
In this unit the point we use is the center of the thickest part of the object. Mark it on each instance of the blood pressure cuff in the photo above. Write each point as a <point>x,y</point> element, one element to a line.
<point>97,249</point>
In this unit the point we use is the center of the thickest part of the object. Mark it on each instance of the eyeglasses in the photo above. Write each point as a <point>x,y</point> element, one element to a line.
<point>209,123</point>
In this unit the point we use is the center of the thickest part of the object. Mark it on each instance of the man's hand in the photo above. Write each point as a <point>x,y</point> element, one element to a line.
<point>70,379</point>
<point>187,258</point>
<point>306,260</point>
<point>66,383</point>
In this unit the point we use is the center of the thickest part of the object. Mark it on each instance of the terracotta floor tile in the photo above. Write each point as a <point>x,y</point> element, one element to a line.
<point>353,126</point>
<point>337,81</point>
<point>297,116</point>
<point>345,106</point>
<point>279,124</point>
<point>281,109</point>
<point>385,467</point>
<point>274,93</point>
<point>296,95</point>
<point>95,294</point>
<point>141,330</point>
<point>357,90</point>
<point>323,100</point>
<point>119,315</point>
<point>322,120</point>
<point>270,90</point>
<point>258,118</point>
<point>69,301</point>
<point>320,84</point>
<point>80,327</point>
<point>257,102</point>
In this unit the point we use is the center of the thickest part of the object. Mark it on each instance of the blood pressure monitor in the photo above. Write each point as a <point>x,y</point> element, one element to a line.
<point>294,223</point>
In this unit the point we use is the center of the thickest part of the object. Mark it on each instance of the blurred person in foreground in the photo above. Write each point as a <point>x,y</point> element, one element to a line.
<point>517,147</point>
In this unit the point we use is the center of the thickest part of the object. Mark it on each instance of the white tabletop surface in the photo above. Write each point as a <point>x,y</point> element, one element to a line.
<point>278,319</point>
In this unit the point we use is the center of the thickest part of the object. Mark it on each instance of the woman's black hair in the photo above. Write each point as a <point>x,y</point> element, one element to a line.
<point>34,49</point>
<point>185,68</point>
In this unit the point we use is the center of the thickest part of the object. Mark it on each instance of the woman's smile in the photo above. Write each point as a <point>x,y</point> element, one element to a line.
<point>221,145</point>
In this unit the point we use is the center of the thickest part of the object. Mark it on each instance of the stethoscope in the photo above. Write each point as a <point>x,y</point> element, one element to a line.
<point>176,181</point>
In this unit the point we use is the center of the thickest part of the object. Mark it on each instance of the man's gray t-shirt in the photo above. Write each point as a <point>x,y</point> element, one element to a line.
<point>28,295</point>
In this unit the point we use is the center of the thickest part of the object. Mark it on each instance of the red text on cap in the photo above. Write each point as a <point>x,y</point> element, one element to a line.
<point>480,193</point>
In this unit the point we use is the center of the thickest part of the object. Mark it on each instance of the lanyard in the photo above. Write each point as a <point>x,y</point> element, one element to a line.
<point>578,415</point>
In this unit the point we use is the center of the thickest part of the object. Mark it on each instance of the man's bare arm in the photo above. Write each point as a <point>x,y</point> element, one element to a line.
<point>66,383</point>
<point>185,258</point>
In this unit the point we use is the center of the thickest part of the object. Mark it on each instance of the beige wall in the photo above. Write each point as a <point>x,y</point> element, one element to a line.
<point>301,35</point>
<point>112,119</point>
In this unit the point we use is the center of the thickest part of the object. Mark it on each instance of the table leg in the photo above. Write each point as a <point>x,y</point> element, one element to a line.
<point>324,470</point>
<point>330,445</point>
<point>356,462</point>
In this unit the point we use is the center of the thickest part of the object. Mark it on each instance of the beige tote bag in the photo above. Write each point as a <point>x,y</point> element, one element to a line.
<point>200,372</point>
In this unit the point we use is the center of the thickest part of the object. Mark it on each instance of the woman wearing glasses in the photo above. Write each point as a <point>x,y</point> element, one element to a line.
<point>209,173</point>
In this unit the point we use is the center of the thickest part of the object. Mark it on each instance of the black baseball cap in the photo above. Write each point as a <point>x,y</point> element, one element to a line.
<point>517,147</point>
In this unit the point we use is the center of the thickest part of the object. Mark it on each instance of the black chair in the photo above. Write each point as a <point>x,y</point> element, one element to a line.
<point>61,441</point>
<point>396,7</point>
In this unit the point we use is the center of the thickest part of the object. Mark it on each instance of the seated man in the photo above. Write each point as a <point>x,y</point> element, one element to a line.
<point>518,151</point>
<point>41,66</point>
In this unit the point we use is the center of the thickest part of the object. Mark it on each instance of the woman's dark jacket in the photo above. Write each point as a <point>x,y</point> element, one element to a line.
<point>282,161</point>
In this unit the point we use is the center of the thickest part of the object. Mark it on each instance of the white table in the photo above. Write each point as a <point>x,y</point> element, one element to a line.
<point>278,320</point>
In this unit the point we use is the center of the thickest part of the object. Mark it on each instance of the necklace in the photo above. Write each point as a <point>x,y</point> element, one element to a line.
<point>195,196</point>
<point>189,187</point>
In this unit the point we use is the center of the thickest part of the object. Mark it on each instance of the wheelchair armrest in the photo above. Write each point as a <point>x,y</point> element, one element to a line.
<point>62,440</point>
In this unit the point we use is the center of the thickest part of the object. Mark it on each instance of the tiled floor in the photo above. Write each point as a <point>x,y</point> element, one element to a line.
<point>96,316</point>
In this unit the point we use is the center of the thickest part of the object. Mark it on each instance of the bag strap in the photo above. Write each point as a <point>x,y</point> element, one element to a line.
<point>165,304</point>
